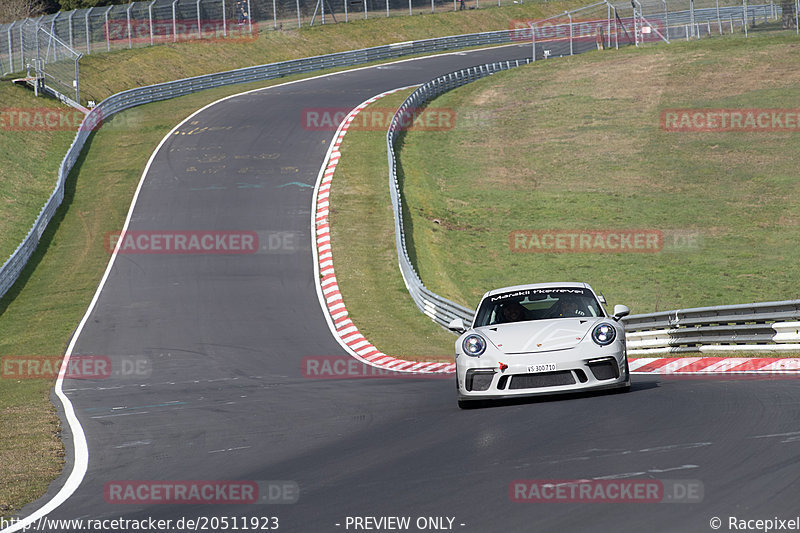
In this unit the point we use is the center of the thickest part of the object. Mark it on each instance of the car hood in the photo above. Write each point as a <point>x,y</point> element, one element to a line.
<point>539,335</point>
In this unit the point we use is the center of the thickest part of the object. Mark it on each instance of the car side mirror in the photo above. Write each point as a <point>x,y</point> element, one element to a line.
<point>621,311</point>
<point>457,325</point>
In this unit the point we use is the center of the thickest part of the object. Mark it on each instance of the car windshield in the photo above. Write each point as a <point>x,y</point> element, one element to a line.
<point>538,304</point>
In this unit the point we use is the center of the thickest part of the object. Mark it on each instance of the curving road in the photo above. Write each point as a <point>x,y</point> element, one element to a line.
<point>224,397</point>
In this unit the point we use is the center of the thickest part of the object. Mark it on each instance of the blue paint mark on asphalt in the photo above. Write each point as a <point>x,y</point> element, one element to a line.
<point>299,184</point>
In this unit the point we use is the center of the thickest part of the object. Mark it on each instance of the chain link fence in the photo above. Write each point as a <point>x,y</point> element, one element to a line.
<point>102,29</point>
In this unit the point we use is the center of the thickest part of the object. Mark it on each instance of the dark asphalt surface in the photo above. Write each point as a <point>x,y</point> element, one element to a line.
<point>224,336</point>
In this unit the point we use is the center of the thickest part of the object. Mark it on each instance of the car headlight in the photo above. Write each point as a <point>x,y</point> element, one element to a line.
<point>474,345</point>
<point>604,334</point>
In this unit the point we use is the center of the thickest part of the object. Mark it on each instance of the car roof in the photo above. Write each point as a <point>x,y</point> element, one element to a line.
<point>553,285</point>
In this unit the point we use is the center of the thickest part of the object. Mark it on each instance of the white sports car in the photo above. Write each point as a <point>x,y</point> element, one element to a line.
<point>543,338</point>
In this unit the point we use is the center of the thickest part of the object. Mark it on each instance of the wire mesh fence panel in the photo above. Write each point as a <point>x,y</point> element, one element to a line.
<point>5,49</point>
<point>58,64</point>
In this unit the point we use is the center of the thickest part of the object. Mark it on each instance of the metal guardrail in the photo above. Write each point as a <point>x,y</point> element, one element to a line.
<point>437,307</point>
<point>13,266</point>
<point>766,326</point>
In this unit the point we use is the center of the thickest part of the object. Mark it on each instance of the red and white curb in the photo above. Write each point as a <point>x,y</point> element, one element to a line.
<point>330,297</point>
<point>714,365</point>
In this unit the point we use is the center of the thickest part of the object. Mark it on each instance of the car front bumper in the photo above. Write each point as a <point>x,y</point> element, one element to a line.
<point>484,378</point>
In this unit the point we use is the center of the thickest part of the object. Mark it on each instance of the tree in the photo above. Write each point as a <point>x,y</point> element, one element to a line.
<point>787,11</point>
<point>67,5</point>
<point>11,10</point>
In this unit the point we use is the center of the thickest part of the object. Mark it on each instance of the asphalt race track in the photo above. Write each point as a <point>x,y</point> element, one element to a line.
<point>224,335</point>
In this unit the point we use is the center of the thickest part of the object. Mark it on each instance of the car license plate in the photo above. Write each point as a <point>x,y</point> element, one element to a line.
<point>542,367</point>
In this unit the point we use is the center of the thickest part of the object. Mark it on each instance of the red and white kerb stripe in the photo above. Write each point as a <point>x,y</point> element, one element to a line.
<point>344,327</point>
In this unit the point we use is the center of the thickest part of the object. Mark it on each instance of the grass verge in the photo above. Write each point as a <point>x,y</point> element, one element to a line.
<point>576,144</point>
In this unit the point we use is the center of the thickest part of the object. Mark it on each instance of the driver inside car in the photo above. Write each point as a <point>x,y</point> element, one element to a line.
<point>567,308</point>
<point>513,312</point>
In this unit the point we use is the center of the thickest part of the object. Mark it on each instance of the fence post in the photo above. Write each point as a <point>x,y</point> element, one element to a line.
<point>365,10</point>
<point>796,9</point>
<point>108,33</point>
<point>77,80</point>
<point>249,19</point>
<point>224,21</point>
<point>88,32</point>
<point>10,48</point>
<point>174,23</point>
<point>744,17</point>
<point>719,20</point>
<point>22,45</point>
<point>150,20</point>
<point>532,26</point>
<point>387,7</point>
<point>199,24</point>
<point>275,14</point>
<point>128,15</point>
<point>298,13</point>
<point>69,21</point>
<point>570,32</point>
